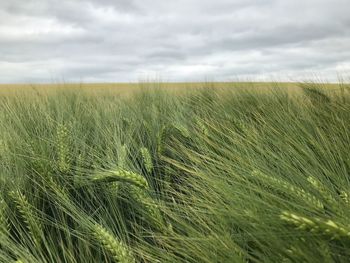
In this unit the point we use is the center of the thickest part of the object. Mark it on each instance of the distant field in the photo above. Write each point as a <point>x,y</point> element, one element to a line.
<point>126,87</point>
<point>129,88</point>
<point>221,172</point>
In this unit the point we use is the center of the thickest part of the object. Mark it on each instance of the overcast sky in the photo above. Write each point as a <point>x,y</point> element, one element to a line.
<point>179,40</point>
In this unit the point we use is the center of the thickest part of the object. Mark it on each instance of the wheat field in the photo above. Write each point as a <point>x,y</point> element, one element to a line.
<point>185,172</point>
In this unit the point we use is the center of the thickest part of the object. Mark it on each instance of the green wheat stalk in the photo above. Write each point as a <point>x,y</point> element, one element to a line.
<point>4,224</point>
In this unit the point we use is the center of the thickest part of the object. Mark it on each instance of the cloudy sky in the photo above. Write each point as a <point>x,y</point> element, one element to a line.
<point>179,40</point>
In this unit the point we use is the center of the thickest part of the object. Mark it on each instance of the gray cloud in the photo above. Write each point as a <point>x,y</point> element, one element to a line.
<point>184,40</point>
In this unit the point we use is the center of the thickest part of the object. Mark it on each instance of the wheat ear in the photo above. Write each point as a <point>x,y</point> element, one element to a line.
<point>181,129</point>
<point>147,159</point>
<point>321,189</point>
<point>297,191</point>
<point>122,156</point>
<point>202,127</point>
<point>160,139</point>
<point>345,197</point>
<point>119,251</point>
<point>121,175</point>
<point>143,197</point>
<point>327,227</point>
<point>28,214</point>
<point>63,148</point>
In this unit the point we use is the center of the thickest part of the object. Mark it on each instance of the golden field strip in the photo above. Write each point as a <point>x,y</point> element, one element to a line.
<point>127,88</point>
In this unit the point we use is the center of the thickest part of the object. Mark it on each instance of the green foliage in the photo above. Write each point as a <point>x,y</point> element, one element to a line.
<point>207,175</point>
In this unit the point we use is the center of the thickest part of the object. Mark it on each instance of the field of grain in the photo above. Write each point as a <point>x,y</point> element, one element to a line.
<point>205,172</point>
